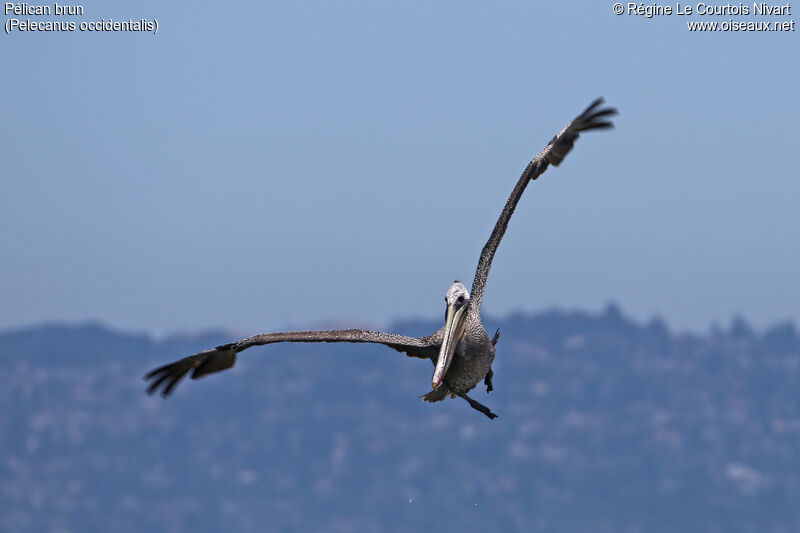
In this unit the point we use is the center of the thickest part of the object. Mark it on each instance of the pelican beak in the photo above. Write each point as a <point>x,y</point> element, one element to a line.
<point>453,330</point>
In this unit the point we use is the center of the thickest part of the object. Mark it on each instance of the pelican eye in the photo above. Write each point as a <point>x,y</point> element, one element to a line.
<point>461,299</point>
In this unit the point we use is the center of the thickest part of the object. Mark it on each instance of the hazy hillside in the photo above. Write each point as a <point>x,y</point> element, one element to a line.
<point>605,426</point>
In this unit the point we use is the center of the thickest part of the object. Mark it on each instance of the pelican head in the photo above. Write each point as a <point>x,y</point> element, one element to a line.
<point>457,299</point>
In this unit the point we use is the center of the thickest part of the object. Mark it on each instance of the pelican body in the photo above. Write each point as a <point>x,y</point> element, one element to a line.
<point>461,351</point>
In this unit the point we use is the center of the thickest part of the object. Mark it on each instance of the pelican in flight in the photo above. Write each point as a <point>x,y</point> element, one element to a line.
<point>461,351</point>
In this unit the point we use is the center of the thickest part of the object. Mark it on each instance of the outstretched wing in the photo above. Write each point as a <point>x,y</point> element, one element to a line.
<point>593,118</point>
<point>223,357</point>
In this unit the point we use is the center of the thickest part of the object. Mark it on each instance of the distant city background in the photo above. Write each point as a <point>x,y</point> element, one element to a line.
<point>606,425</point>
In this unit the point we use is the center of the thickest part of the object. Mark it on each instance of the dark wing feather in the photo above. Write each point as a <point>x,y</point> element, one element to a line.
<point>593,118</point>
<point>223,357</point>
<point>559,146</point>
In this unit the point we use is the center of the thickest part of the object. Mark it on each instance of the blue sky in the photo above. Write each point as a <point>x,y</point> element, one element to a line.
<point>273,165</point>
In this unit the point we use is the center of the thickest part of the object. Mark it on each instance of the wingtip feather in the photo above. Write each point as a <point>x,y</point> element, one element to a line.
<point>207,362</point>
<point>223,358</point>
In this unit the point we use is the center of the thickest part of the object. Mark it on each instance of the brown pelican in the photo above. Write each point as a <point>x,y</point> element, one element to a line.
<point>461,350</point>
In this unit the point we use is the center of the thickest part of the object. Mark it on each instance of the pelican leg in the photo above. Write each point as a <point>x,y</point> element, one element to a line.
<point>488,380</point>
<point>479,407</point>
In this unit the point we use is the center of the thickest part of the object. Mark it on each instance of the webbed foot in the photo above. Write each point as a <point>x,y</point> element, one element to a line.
<point>479,407</point>
<point>488,381</point>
